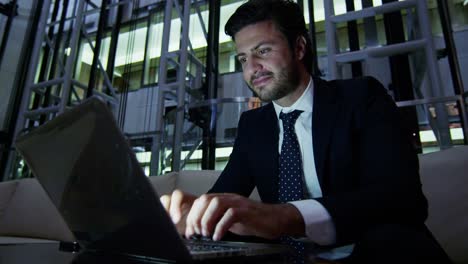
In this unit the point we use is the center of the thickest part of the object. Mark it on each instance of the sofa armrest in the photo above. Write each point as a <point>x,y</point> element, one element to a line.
<point>196,182</point>
<point>30,213</point>
<point>7,189</point>
<point>445,180</point>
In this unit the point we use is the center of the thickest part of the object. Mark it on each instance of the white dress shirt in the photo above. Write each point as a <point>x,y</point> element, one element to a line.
<point>319,226</point>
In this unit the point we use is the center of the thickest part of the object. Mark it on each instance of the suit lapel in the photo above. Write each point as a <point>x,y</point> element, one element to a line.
<point>323,121</point>
<point>270,136</point>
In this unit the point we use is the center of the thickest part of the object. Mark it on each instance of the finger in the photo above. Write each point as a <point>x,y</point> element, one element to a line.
<point>230,217</point>
<point>212,214</point>
<point>188,231</point>
<point>196,213</point>
<point>166,202</point>
<point>175,209</point>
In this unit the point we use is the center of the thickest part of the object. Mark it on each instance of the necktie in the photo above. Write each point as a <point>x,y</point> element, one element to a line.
<point>290,171</point>
<point>290,175</point>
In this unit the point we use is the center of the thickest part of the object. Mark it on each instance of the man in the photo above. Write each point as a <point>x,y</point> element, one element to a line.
<point>352,176</point>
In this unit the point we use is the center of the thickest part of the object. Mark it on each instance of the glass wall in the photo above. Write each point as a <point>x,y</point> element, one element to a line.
<point>134,63</point>
<point>139,50</point>
<point>139,46</point>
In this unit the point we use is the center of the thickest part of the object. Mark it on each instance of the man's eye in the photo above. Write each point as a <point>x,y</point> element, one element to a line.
<point>264,51</point>
<point>242,60</point>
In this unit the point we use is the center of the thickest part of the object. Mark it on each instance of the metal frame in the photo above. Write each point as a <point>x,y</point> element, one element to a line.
<point>28,118</point>
<point>66,79</point>
<point>212,103</point>
<point>453,61</point>
<point>174,93</point>
<point>459,99</point>
<point>10,10</point>
<point>335,59</point>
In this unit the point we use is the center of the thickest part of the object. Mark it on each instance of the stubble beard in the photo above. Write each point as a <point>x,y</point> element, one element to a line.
<point>284,82</point>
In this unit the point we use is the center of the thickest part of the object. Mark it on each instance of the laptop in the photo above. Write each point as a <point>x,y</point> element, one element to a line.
<point>86,166</point>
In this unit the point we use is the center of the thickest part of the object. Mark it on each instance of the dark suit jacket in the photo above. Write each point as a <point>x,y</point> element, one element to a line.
<point>366,165</point>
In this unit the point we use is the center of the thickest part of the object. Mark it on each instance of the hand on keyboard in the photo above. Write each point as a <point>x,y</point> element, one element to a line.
<point>212,215</point>
<point>198,237</point>
<point>178,205</point>
<point>217,213</point>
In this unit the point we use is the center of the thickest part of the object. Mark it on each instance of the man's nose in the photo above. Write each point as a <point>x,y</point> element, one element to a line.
<point>253,66</point>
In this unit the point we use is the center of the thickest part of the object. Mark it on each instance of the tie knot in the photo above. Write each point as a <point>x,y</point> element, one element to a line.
<point>291,117</point>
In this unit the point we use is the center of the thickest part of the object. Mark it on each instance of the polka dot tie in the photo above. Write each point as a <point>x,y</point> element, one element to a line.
<point>290,169</point>
<point>290,175</point>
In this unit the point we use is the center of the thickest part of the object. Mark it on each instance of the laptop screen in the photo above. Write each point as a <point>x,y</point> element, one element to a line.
<point>90,173</point>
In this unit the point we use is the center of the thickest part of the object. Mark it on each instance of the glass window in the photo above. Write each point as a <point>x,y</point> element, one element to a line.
<point>129,57</point>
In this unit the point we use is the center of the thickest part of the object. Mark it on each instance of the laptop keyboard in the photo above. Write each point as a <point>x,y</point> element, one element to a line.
<point>196,246</point>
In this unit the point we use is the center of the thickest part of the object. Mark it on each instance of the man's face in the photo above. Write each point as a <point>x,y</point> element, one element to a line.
<point>269,67</point>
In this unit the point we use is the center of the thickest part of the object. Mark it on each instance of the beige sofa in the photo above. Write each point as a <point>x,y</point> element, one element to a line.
<point>444,175</point>
<point>192,181</point>
<point>27,215</point>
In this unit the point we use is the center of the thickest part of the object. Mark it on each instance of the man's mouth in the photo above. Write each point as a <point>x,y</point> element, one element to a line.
<point>261,80</point>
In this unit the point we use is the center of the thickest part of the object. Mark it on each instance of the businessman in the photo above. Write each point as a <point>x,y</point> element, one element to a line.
<point>330,159</point>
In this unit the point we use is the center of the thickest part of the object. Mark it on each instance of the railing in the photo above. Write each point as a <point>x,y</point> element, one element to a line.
<point>455,107</point>
<point>225,112</point>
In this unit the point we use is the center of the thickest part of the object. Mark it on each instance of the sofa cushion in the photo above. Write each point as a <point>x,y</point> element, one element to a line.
<point>23,240</point>
<point>444,175</point>
<point>6,193</point>
<point>30,213</point>
<point>164,184</point>
<point>196,182</point>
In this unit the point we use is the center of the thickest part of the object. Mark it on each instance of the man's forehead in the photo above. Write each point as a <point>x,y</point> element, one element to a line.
<point>254,35</point>
<point>256,26</point>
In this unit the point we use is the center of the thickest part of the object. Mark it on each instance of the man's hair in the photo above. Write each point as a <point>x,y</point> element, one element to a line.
<point>285,14</point>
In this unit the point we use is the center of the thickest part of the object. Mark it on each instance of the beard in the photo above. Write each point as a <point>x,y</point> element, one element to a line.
<point>284,82</point>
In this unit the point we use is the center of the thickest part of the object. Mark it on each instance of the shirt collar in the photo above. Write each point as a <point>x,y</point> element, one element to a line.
<point>304,103</point>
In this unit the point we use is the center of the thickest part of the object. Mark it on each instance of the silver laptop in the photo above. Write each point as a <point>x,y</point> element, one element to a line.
<point>90,173</point>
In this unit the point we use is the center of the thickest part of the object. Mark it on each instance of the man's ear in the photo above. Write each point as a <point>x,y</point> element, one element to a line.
<point>300,48</point>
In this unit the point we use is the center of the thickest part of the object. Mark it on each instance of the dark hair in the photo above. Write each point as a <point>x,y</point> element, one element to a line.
<point>285,14</point>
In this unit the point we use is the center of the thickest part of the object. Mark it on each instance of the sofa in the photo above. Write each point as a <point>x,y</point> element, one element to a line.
<point>444,175</point>
<point>27,214</point>
<point>196,182</point>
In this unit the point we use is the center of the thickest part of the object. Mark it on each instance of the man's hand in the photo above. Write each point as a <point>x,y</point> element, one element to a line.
<point>178,205</point>
<point>215,214</point>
